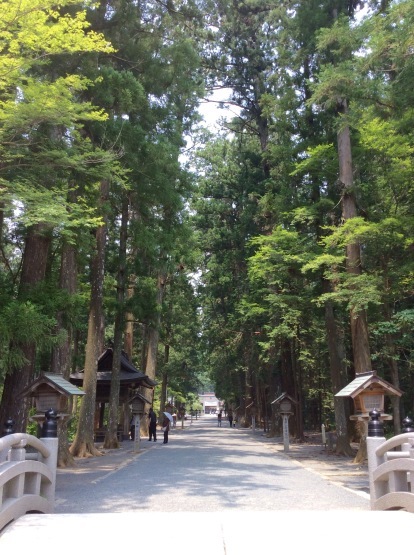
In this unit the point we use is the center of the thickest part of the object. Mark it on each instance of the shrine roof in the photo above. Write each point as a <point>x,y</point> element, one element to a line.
<point>56,381</point>
<point>365,381</point>
<point>127,375</point>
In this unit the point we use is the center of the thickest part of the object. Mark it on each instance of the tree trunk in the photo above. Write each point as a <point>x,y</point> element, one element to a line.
<point>297,390</point>
<point>62,354</point>
<point>153,339</point>
<point>83,444</point>
<point>151,365</point>
<point>359,325</point>
<point>129,327</point>
<point>272,394</point>
<point>339,378</point>
<point>164,384</point>
<point>34,266</point>
<point>111,438</point>
<point>1,224</point>
<point>249,393</point>
<point>395,378</point>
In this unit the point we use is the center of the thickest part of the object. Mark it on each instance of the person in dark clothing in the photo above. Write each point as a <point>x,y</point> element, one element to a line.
<point>230,417</point>
<point>166,428</point>
<point>132,428</point>
<point>152,420</point>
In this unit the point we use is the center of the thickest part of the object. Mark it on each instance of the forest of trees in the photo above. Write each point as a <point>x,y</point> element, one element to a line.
<point>272,255</point>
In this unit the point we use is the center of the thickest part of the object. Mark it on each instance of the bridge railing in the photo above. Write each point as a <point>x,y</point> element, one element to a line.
<point>27,477</point>
<point>391,471</point>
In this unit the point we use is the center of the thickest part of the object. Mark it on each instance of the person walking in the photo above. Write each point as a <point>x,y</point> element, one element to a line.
<point>165,428</point>
<point>230,417</point>
<point>152,419</point>
<point>219,419</point>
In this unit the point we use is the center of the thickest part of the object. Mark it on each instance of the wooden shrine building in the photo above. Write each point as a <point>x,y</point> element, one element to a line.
<point>131,380</point>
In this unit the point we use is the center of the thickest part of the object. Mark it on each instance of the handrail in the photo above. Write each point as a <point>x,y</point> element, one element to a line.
<point>13,440</point>
<point>394,442</point>
<point>27,484</point>
<point>391,472</point>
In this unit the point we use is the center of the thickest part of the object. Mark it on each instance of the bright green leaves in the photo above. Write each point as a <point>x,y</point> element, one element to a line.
<point>33,30</point>
<point>278,285</point>
<point>387,177</point>
<point>43,111</point>
<point>31,33</point>
<point>383,245</point>
<point>278,257</point>
<point>51,206</point>
<point>46,102</point>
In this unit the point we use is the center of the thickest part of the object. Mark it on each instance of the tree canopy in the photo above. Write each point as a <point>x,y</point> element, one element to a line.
<point>273,255</point>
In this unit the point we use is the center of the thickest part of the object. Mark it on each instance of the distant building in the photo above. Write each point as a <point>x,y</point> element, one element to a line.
<point>210,403</point>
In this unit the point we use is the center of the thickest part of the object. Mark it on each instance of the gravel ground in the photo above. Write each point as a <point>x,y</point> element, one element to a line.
<point>336,468</point>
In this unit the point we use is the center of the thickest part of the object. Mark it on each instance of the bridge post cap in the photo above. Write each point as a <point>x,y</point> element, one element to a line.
<point>375,425</point>
<point>407,425</point>
<point>8,426</point>
<point>49,428</point>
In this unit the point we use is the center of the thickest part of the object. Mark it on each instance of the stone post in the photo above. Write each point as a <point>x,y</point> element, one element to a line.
<point>51,441</point>
<point>375,438</point>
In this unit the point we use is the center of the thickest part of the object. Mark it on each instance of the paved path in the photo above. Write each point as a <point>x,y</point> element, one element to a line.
<point>210,491</point>
<point>205,469</point>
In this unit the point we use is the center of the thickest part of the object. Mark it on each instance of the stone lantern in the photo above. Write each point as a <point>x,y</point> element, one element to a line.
<point>285,405</point>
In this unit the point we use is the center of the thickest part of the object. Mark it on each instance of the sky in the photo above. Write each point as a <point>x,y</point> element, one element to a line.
<point>212,111</point>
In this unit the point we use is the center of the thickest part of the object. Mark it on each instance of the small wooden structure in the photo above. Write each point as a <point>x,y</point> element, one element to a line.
<point>52,391</point>
<point>285,404</point>
<point>130,380</point>
<point>368,391</point>
<point>137,404</point>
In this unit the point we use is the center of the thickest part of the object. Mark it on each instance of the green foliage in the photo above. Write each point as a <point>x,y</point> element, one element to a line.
<point>315,64</point>
<point>42,114</point>
<point>23,323</point>
<point>33,30</point>
<point>321,159</point>
<point>251,241</point>
<point>49,205</point>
